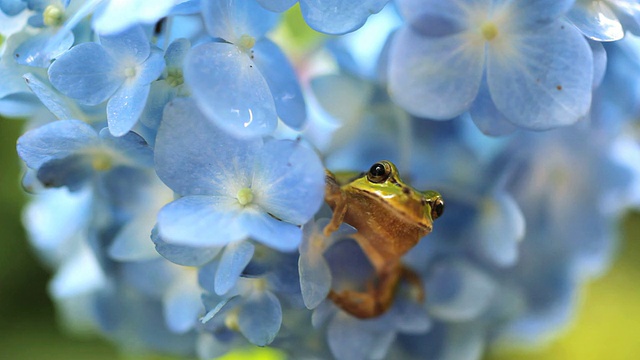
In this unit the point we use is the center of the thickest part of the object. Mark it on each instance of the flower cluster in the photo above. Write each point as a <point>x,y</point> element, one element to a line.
<point>177,153</point>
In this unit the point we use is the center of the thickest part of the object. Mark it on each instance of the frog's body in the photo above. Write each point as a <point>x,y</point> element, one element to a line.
<point>391,217</point>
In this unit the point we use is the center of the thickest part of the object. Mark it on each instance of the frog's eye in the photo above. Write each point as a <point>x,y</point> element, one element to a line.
<point>379,172</point>
<point>437,208</point>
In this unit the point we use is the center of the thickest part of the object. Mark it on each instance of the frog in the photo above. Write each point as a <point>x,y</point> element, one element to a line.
<point>390,218</point>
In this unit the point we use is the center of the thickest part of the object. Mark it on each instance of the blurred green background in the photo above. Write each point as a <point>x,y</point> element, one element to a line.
<point>607,323</point>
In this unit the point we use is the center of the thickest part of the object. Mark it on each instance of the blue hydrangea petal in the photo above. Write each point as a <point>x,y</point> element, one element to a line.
<point>434,77</point>
<point>55,140</point>
<point>152,68</point>
<point>234,259</point>
<point>349,338</point>
<point>71,171</point>
<point>599,62</point>
<point>130,45</point>
<point>339,17</point>
<point>315,278</point>
<point>277,5</point>
<point>260,318</point>
<point>201,221</point>
<point>176,52</point>
<point>86,73</point>
<point>182,304</point>
<point>133,242</point>
<point>486,116</point>
<point>596,20</point>
<point>37,52</point>
<point>410,317</point>
<point>80,274</point>
<point>230,89</point>
<point>183,255</point>
<point>132,146</point>
<point>230,19</point>
<point>289,181</point>
<point>533,13</point>
<point>435,17</point>
<point>61,107</point>
<point>501,226</point>
<point>125,107</point>
<point>282,81</point>
<point>115,16</point>
<point>187,143</point>
<point>160,93</point>
<point>274,233</point>
<point>12,7</point>
<point>459,291</point>
<point>545,83</point>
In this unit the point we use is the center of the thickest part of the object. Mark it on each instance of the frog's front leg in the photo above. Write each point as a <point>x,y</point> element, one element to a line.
<point>337,200</point>
<point>376,300</point>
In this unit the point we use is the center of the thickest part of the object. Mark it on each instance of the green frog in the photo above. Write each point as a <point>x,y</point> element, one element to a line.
<point>390,218</point>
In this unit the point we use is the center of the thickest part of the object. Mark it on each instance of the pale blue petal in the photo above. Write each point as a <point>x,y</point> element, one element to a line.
<point>71,171</point>
<point>348,338</point>
<point>289,181</point>
<point>80,274</point>
<point>277,5</point>
<point>344,97</point>
<point>55,140</point>
<point>282,81</point>
<point>230,89</point>
<point>260,317</point>
<point>436,17</point>
<point>182,305</point>
<point>410,317</point>
<point>315,278</point>
<point>160,93</point>
<point>194,157</point>
<point>182,254</point>
<point>486,116</point>
<point>230,19</point>
<point>12,7</point>
<point>37,52</point>
<point>118,15</point>
<point>86,73</point>
<point>133,242</point>
<point>276,234</point>
<point>599,62</point>
<point>177,50</point>
<point>500,226</point>
<point>201,221</point>
<point>61,107</point>
<point>234,259</point>
<point>338,17</point>
<point>125,106</point>
<point>533,13</point>
<point>546,81</point>
<point>459,291</point>
<point>152,68</point>
<point>434,77</point>
<point>596,20</point>
<point>130,46</point>
<point>131,145</point>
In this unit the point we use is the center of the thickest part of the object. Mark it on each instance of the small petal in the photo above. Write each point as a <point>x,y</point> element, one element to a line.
<point>131,45</point>
<point>125,106</point>
<point>201,221</point>
<point>596,20</point>
<point>315,279</point>
<point>234,259</point>
<point>277,5</point>
<point>434,77</point>
<point>86,73</point>
<point>230,89</point>
<point>183,255</point>
<point>260,317</point>
<point>339,17</point>
<point>230,19</point>
<point>487,117</point>
<point>55,140</point>
<point>501,226</point>
<point>182,304</point>
<point>274,233</point>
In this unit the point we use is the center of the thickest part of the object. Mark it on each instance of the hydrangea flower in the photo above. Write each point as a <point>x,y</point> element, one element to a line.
<point>119,69</point>
<point>244,82</point>
<point>508,63</point>
<point>233,188</point>
<point>605,20</point>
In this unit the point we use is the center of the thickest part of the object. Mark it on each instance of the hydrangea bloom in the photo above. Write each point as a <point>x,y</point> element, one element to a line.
<point>176,155</point>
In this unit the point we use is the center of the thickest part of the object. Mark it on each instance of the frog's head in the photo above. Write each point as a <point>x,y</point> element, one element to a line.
<point>383,182</point>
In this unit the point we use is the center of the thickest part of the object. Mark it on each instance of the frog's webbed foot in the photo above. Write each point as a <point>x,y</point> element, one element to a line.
<point>380,294</point>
